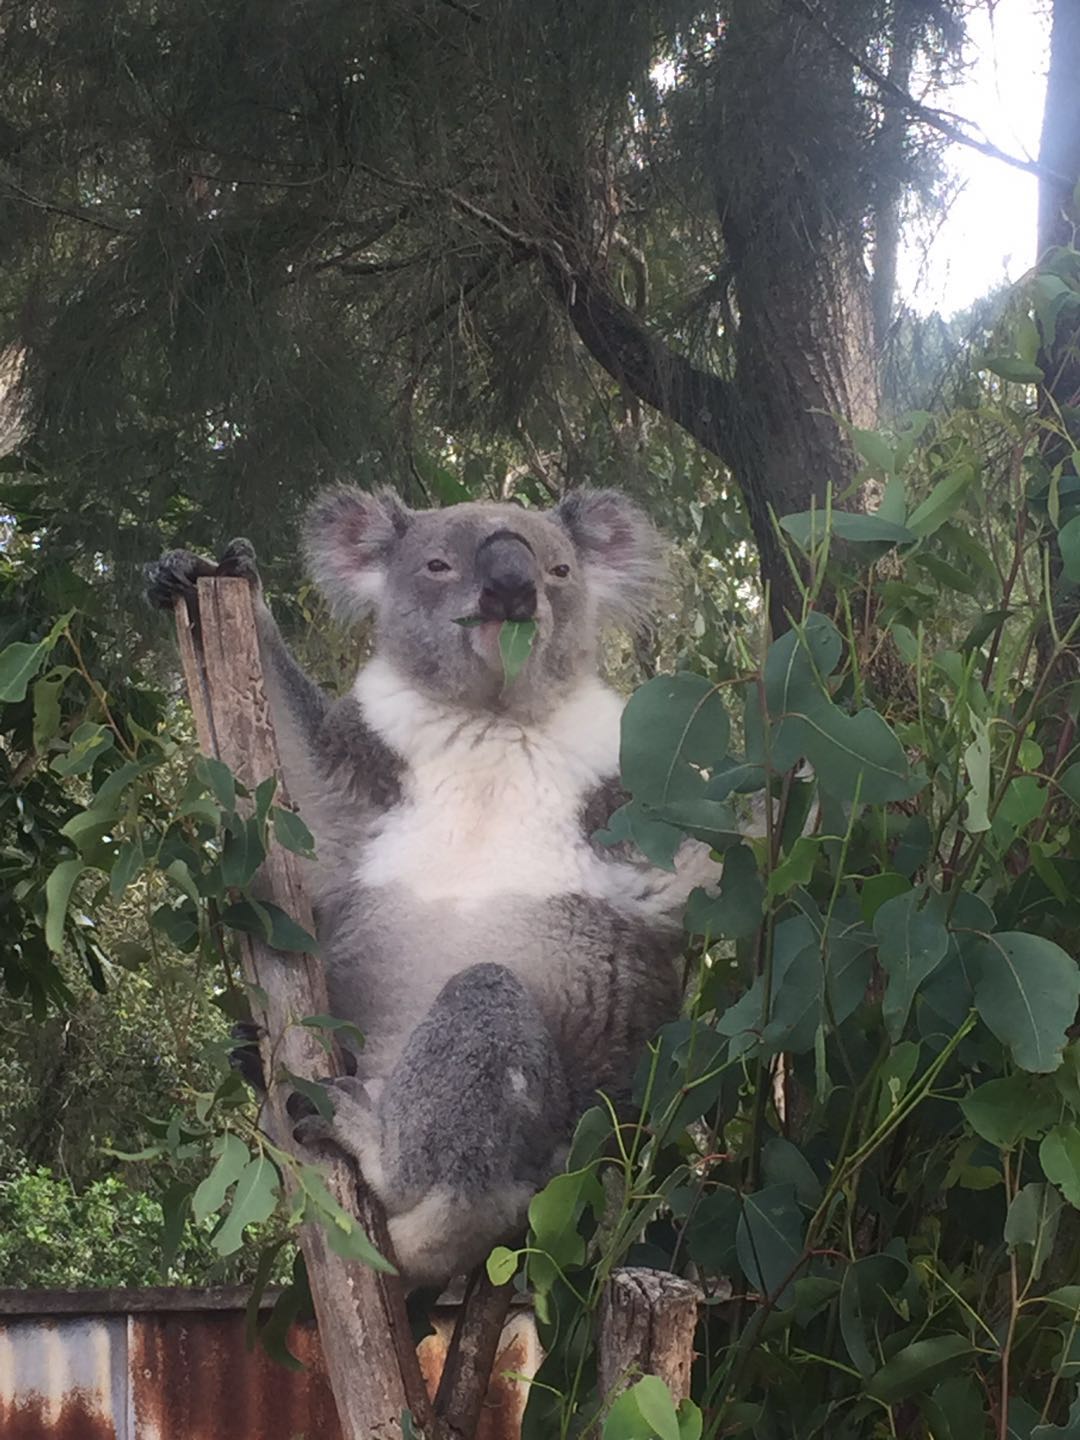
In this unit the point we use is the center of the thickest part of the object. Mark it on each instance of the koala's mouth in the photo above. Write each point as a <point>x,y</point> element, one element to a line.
<point>503,645</point>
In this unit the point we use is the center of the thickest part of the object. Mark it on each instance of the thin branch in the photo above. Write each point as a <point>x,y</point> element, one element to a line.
<point>71,212</point>
<point>700,402</point>
<point>464,10</point>
<point>951,126</point>
<point>260,182</point>
<point>531,244</point>
<point>374,267</point>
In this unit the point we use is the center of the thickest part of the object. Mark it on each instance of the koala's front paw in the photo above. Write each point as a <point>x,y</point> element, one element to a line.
<point>353,1126</point>
<point>174,577</point>
<point>239,560</point>
<point>244,1057</point>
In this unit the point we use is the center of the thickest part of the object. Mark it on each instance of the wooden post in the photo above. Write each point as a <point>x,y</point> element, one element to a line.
<point>646,1327</point>
<point>370,1357</point>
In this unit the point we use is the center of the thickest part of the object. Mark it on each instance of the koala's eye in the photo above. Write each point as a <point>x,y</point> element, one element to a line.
<point>437,566</point>
<point>562,571</point>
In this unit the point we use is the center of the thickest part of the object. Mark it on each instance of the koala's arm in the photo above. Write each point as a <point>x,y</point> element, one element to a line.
<point>330,759</point>
<point>660,894</point>
<point>333,761</point>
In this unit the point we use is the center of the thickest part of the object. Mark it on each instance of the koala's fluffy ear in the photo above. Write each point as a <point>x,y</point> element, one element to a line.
<point>622,552</point>
<point>349,537</point>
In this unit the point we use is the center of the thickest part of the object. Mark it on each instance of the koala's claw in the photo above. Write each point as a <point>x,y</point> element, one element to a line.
<point>174,577</point>
<point>352,1120</point>
<point>244,1058</point>
<point>239,560</point>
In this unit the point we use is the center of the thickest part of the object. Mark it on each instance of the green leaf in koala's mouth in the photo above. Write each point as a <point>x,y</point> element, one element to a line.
<point>516,639</point>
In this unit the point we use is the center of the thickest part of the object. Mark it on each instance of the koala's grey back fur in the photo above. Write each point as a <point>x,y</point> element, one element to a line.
<point>501,965</point>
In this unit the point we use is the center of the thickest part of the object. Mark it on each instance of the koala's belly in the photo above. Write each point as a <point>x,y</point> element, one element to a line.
<point>603,981</point>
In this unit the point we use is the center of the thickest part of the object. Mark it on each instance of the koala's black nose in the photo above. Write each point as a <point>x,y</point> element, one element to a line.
<point>506,568</point>
<point>508,597</point>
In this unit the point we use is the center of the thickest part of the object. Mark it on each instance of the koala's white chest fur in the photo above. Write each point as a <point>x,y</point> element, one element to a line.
<point>489,807</point>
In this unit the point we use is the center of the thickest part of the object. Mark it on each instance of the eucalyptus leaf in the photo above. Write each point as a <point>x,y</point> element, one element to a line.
<point>1011,1108</point>
<point>58,888</point>
<point>809,528</point>
<point>1011,367</point>
<point>1069,544</point>
<point>19,663</point>
<point>852,755</point>
<point>945,498</point>
<point>516,638</point>
<point>865,1293</point>
<point>783,1163</point>
<point>912,942</point>
<point>1059,1156</point>
<point>769,1241</point>
<point>216,777</point>
<point>1026,992</point>
<point>291,832</point>
<point>46,694</point>
<point>232,1155</point>
<point>88,743</point>
<point>918,1367</point>
<point>675,729</point>
<point>254,1200</point>
<point>735,912</point>
<point>1032,1222</point>
<point>269,923</point>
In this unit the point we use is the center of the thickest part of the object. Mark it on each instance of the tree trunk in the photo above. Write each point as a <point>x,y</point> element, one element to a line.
<point>890,185</point>
<point>789,200</point>
<point>1059,151</point>
<point>1059,397</point>
<point>790,203</point>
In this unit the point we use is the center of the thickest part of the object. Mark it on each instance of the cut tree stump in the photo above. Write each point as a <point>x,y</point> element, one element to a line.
<point>646,1326</point>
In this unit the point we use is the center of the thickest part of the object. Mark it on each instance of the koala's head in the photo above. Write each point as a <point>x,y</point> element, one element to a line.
<point>593,560</point>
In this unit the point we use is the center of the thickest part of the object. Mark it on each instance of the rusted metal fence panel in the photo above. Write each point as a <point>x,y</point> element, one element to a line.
<point>173,1365</point>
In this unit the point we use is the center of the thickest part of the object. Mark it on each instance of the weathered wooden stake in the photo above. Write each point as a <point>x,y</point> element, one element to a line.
<point>646,1327</point>
<point>370,1357</point>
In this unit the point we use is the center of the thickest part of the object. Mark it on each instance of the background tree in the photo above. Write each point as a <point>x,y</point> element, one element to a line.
<point>303,239</point>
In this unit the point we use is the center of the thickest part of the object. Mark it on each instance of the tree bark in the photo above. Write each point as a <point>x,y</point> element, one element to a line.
<point>363,1327</point>
<point>1059,150</point>
<point>646,1326</point>
<point>1059,396</point>
<point>890,176</point>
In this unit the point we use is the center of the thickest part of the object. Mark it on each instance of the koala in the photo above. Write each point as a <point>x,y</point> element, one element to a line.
<point>501,964</point>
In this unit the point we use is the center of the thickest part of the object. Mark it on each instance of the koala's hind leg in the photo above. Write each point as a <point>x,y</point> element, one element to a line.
<point>469,1124</point>
<point>472,1121</point>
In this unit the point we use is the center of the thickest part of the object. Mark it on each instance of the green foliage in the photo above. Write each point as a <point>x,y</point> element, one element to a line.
<point>109,1233</point>
<point>128,862</point>
<point>868,1121</point>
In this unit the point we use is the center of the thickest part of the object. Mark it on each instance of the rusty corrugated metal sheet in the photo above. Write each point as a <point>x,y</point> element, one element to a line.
<point>64,1378</point>
<point>173,1365</point>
